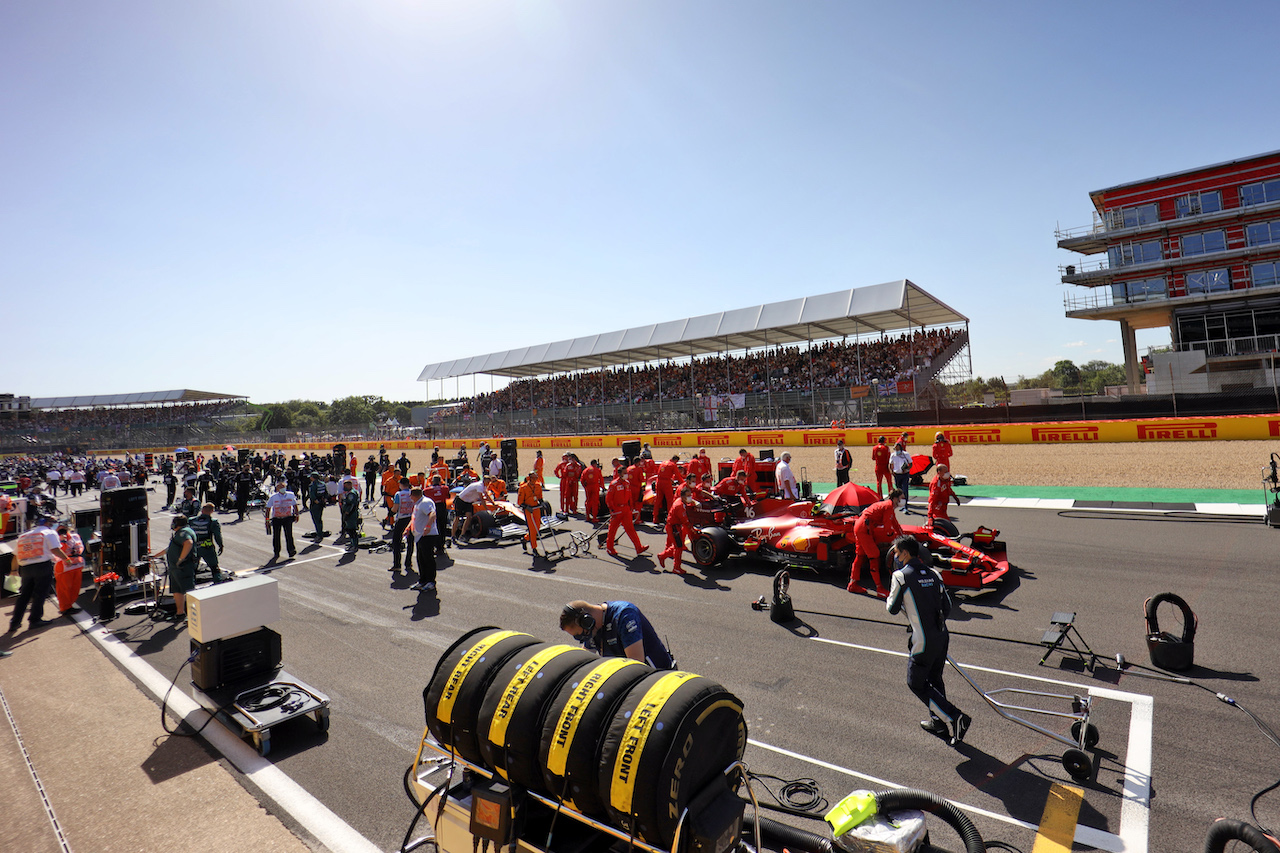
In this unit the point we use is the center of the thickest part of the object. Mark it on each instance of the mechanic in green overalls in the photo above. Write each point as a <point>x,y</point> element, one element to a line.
<point>208,533</point>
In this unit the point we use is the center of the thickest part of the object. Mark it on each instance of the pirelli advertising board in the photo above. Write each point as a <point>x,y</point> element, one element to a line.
<point>1242,427</point>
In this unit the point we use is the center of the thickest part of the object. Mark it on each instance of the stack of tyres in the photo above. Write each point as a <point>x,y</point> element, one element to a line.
<point>571,733</point>
<point>672,735</point>
<point>512,713</point>
<point>453,697</point>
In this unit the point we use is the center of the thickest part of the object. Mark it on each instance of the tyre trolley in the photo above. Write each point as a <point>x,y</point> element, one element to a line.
<point>1084,734</point>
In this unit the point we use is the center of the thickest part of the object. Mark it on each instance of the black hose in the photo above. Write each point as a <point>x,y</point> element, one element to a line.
<point>788,836</point>
<point>1225,830</point>
<point>887,801</point>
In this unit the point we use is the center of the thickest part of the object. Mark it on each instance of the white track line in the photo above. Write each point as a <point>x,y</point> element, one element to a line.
<point>1135,806</point>
<point>329,829</point>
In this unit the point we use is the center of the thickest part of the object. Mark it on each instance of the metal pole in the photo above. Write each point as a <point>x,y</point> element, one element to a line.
<point>813,392</point>
<point>768,375</point>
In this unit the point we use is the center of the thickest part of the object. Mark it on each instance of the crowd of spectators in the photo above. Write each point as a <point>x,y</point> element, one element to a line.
<point>778,369</point>
<point>41,421</point>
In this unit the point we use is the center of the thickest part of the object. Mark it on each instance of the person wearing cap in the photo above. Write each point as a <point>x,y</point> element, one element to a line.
<point>34,553</point>
<point>940,492</point>
<point>403,502</point>
<point>844,461</point>
<point>208,531</point>
<point>110,481</point>
<point>538,465</point>
<point>319,497</point>
<point>69,573</point>
<point>281,513</point>
<point>188,506</point>
<point>677,530</point>
<point>941,450</point>
<point>529,499</point>
<point>349,511</point>
<point>246,481</point>
<point>180,557</point>
<point>370,479</point>
<point>699,464</point>
<point>562,472</point>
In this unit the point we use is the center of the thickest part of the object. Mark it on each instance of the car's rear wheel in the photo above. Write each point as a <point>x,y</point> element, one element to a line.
<point>710,546</point>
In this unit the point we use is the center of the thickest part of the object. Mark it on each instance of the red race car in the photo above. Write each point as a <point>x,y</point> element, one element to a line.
<point>819,536</point>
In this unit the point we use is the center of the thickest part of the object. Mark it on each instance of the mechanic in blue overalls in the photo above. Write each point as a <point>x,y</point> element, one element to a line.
<point>615,629</point>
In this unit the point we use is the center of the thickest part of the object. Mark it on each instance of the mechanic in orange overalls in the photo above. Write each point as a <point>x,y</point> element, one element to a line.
<point>940,493</point>
<point>880,456</point>
<point>620,508</point>
<point>877,524</point>
<point>538,464</point>
<point>69,573</point>
<point>677,530</point>
<point>592,481</point>
<point>529,499</point>
<point>439,468</point>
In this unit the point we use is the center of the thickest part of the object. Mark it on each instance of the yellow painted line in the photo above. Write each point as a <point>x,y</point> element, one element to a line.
<point>1058,823</point>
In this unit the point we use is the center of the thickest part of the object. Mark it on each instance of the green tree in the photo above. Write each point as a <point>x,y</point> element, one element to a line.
<point>1067,375</point>
<point>402,414</point>
<point>350,410</point>
<point>275,416</point>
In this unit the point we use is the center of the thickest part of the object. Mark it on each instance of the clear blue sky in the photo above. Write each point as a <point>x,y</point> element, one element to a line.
<point>314,199</point>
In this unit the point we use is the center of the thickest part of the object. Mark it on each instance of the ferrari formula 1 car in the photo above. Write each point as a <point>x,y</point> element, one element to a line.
<point>819,536</point>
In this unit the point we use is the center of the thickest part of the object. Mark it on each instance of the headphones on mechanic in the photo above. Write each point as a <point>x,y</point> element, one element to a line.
<point>580,617</point>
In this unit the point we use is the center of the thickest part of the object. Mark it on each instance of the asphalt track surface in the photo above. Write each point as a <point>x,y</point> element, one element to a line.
<point>825,697</point>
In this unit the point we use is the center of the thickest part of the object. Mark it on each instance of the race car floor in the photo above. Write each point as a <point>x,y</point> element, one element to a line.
<point>825,696</point>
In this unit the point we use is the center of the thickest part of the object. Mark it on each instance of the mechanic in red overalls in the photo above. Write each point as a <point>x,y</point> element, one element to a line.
<point>592,480</point>
<point>677,530</point>
<point>700,464</point>
<point>620,507</point>
<point>941,451</point>
<point>940,493</point>
<point>562,472</point>
<point>736,487</point>
<point>665,489</point>
<point>880,456</point>
<point>876,524</point>
<point>573,474</point>
<point>636,478</point>
<point>746,462</point>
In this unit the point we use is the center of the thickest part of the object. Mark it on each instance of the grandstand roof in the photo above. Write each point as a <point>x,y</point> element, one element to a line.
<point>889,307</point>
<point>146,398</point>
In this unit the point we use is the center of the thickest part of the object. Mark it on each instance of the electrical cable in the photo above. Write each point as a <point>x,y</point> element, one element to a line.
<point>164,722</point>
<point>405,846</point>
<point>800,797</point>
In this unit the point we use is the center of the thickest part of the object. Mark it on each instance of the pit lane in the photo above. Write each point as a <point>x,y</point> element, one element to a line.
<point>826,697</point>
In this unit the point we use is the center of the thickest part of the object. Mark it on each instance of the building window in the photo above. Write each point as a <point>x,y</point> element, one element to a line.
<point>1262,233</point>
<point>1198,203</point>
<point>1260,193</point>
<point>1132,217</point>
<point>1138,291</point>
<point>1202,244</point>
<point>1209,281</point>
<point>1128,254</point>
<point>1265,275</point>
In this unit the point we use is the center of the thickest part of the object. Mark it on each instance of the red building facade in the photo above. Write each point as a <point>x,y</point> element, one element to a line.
<point>1197,252</point>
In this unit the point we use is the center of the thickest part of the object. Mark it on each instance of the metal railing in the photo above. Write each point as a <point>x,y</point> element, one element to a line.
<point>1255,345</point>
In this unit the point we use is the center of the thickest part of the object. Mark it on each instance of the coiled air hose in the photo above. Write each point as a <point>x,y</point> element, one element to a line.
<point>1225,830</point>
<point>886,801</point>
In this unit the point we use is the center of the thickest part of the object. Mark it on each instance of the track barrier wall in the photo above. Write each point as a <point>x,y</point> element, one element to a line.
<point>1234,427</point>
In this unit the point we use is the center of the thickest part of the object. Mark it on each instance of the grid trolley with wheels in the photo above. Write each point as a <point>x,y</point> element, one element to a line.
<point>1084,734</point>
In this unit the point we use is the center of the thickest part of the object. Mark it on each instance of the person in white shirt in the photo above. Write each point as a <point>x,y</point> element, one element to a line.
<point>464,508</point>
<point>35,551</point>
<point>110,481</point>
<point>282,512</point>
<point>424,528</point>
<point>900,465</point>
<point>53,477</point>
<point>402,504</point>
<point>787,486</point>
